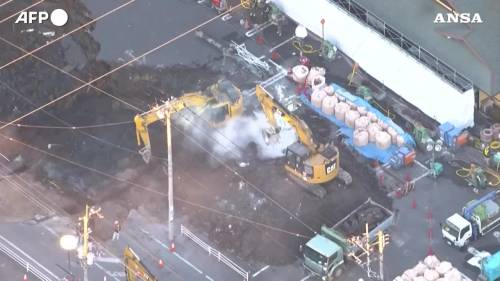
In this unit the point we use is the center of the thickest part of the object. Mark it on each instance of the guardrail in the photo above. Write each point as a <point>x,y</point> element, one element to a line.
<point>214,252</point>
<point>7,248</point>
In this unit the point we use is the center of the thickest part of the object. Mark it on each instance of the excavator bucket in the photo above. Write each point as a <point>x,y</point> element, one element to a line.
<point>270,136</point>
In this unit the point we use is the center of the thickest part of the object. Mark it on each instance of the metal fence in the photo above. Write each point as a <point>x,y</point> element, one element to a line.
<point>413,49</point>
<point>9,249</point>
<point>214,252</point>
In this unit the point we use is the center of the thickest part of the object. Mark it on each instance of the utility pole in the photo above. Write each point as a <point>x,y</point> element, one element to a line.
<point>85,242</point>
<point>383,240</point>
<point>368,249</point>
<point>170,181</point>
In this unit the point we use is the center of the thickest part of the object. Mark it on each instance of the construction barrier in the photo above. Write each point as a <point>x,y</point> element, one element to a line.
<point>32,266</point>
<point>213,252</point>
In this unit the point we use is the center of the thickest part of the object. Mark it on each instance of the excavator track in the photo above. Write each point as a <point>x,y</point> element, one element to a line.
<point>315,189</point>
<point>344,177</point>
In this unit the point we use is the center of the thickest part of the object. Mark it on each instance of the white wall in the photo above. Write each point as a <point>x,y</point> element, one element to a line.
<point>385,61</point>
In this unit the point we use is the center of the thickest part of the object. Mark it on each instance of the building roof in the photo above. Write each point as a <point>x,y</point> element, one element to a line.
<point>323,245</point>
<point>471,49</point>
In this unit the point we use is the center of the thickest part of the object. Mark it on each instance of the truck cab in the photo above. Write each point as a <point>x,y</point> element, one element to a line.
<point>323,257</point>
<point>457,231</point>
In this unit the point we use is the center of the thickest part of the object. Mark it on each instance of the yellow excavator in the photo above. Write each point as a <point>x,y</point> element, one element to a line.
<point>135,270</point>
<point>215,105</point>
<point>309,162</point>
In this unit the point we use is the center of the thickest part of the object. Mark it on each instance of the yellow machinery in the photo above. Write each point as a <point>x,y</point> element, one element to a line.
<point>216,105</point>
<point>135,270</point>
<point>311,163</point>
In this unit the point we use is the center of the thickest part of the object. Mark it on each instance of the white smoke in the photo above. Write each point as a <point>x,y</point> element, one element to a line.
<point>230,140</point>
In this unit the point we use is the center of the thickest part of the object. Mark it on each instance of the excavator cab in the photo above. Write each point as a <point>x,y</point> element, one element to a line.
<point>226,101</point>
<point>296,154</point>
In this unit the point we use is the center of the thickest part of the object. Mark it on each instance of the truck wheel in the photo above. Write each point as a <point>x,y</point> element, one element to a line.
<point>338,272</point>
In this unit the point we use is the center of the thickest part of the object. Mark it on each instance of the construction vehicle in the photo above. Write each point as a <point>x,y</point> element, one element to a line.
<point>216,105</point>
<point>308,162</point>
<point>325,253</point>
<point>135,270</point>
<point>477,219</point>
<point>488,264</point>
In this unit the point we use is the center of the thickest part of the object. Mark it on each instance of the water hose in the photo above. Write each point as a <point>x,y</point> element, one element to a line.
<point>247,4</point>
<point>493,178</point>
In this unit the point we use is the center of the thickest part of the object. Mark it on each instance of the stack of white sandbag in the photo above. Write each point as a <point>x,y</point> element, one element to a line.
<point>367,127</point>
<point>431,269</point>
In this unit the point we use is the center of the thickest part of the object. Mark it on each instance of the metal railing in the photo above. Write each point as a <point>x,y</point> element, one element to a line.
<point>438,66</point>
<point>214,252</point>
<point>7,248</point>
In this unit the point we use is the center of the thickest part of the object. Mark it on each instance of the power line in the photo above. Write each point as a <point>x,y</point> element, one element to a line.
<point>146,188</point>
<point>65,34</point>
<point>115,69</point>
<point>135,152</point>
<point>141,56</point>
<point>103,125</point>
<point>15,14</point>
<point>28,194</point>
<point>5,3</point>
<point>63,71</point>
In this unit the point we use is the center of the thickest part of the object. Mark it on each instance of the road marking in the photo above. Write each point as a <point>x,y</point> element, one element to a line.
<point>119,274</point>
<point>209,278</point>
<point>421,176</point>
<point>108,259</point>
<point>260,271</point>
<point>110,274</point>
<point>52,231</point>
<point>421,165</point>
<point>188,263</point>
<point>307,277</point>
<point>31,261</point>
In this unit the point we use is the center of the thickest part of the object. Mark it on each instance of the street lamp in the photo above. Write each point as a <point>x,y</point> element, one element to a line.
<point>437,146</point>
<point>69,243</point>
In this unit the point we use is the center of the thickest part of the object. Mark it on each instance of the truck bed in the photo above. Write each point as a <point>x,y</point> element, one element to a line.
<point>378,217</point>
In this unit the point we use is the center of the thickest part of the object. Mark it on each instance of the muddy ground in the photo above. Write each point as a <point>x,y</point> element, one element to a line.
<point>214,193</point>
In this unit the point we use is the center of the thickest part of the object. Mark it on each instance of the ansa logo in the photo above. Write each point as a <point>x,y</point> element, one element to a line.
<point>458,18</point>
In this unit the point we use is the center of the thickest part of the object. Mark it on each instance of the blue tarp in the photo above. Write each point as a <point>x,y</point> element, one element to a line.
<point>369,151</point>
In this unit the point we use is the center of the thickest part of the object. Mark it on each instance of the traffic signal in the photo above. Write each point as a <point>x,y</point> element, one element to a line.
<point>383,240</point>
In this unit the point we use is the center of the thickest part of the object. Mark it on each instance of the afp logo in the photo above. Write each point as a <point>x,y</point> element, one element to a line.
<point>58,17</point>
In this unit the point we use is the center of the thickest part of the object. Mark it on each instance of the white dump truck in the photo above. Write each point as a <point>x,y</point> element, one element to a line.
<point>477,219</point>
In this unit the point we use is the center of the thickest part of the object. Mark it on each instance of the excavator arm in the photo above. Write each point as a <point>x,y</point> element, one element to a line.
<point>221,101</point>
<point>161,112</point>
<point>270,107</point>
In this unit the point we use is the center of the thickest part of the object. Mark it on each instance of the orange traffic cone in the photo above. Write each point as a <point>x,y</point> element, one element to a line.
<point>160,263</point>
<point>172,247</point>
<point>429,251</point>
<point>25,277</point>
